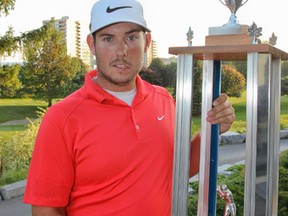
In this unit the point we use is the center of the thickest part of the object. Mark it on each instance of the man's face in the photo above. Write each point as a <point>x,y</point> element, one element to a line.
<point>119,51</point>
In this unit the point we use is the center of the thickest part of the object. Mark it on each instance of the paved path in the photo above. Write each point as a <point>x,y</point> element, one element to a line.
<point>14,207</point>
<point>16,122</point>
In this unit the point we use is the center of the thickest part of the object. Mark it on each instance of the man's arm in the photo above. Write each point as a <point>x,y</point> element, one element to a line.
<point>195,155</point>
<point>48,211</point>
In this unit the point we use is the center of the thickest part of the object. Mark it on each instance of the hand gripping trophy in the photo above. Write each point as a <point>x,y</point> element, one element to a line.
<point>225,193</point>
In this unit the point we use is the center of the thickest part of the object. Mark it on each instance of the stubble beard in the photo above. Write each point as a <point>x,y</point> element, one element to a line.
<point>114,80</point>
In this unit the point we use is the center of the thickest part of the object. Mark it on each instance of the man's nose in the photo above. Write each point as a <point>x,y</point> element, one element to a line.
<point>121,49</point>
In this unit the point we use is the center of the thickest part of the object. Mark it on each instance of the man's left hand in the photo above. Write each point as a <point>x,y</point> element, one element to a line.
<point>222,113</point>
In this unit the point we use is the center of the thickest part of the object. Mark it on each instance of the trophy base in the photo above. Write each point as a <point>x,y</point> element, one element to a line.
<point>229,28</point>
<point>229,34</point>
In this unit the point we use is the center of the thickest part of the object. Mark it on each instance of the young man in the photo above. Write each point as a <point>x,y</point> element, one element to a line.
<point>107,149</point>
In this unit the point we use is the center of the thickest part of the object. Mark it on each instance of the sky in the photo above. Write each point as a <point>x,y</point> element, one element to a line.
<point>168,20</point>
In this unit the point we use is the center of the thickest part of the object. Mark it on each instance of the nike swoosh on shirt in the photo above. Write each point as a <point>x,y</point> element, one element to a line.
<point>110,10</point>
<point>160,118</point>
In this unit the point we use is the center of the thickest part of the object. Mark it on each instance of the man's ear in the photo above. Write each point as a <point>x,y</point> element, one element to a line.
<point>148,41</point>
<point>91,44</point>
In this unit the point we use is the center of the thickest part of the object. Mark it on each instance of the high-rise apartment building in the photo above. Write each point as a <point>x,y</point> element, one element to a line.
<point>151,53</point>
<point>74,37</point>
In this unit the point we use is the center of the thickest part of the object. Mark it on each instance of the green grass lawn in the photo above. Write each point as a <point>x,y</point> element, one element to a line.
<point>18,109</point>
<point>15,109</point>
<point>240,110</point>
<point>239,105</point>
<point>284,112</point>
<point>8,130</point>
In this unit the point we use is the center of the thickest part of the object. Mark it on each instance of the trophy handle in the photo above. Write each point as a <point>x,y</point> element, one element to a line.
<point>226,5</point>
<point>241,4</point>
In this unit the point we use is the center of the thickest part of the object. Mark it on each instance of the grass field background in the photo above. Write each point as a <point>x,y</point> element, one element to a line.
<point>19,109</point>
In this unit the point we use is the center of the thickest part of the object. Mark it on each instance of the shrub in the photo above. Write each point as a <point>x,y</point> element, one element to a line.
<point>283,185</point>
<point>16,152</point>
<point>235,183</point>
<point>284,86</point>
<point>232,82</point>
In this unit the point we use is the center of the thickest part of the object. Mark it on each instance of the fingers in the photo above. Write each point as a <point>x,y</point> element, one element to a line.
<point>222,113</point>
<point>221,99</point>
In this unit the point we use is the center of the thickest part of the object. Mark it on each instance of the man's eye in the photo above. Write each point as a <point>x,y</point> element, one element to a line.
<point>132,38</point>
<point>108,39</point>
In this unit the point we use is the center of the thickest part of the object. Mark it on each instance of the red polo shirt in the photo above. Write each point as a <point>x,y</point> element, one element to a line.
<point>98,156</point>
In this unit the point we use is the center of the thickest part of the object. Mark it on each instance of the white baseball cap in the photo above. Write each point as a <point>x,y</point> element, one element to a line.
<point>107,12</point>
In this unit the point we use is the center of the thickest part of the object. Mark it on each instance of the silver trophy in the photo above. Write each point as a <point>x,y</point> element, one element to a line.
<point>233,6</point>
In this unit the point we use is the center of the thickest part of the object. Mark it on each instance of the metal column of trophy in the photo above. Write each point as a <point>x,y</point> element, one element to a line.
<point>231,33</point>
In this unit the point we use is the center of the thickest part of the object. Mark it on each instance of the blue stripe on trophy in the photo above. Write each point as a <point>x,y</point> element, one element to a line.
<point>214,144</point>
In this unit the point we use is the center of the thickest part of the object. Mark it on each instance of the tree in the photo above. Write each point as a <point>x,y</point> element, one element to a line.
<point>48,68</point>
<point>197,87</point>
<point>284,68</point>
<point>78,80</point>
<point>166,72</point>
<point>240,66</point>
<point>6,6</point>
<point>284,86</point>
<point>157,64</point>
<point>9,82</point>
<point>8,43</point>
<point>158,67</point>
<point>150,76</point>
<point>233,82</point>
<point>169,74</point>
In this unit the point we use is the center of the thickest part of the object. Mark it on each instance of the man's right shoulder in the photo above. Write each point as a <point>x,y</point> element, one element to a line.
<point>66,106</point>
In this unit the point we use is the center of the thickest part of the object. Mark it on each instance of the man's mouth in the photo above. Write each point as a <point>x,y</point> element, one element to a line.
<point>120,63</point>
<point>121,66</point>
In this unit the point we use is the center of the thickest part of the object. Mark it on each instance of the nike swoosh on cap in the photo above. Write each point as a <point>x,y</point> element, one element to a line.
<point>110,10</point>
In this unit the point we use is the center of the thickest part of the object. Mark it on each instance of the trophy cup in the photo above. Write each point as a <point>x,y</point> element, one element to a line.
<point>232,32</point>
<point>233,6</point>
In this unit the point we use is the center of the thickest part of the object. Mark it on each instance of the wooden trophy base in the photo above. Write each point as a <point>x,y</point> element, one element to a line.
<point>228,36</point>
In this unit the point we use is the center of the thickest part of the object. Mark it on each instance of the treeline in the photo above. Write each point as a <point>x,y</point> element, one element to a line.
<point>48,72</point>
<point>232,82</point>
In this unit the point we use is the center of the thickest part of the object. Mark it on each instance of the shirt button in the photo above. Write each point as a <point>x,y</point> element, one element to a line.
<point>137,127</point>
